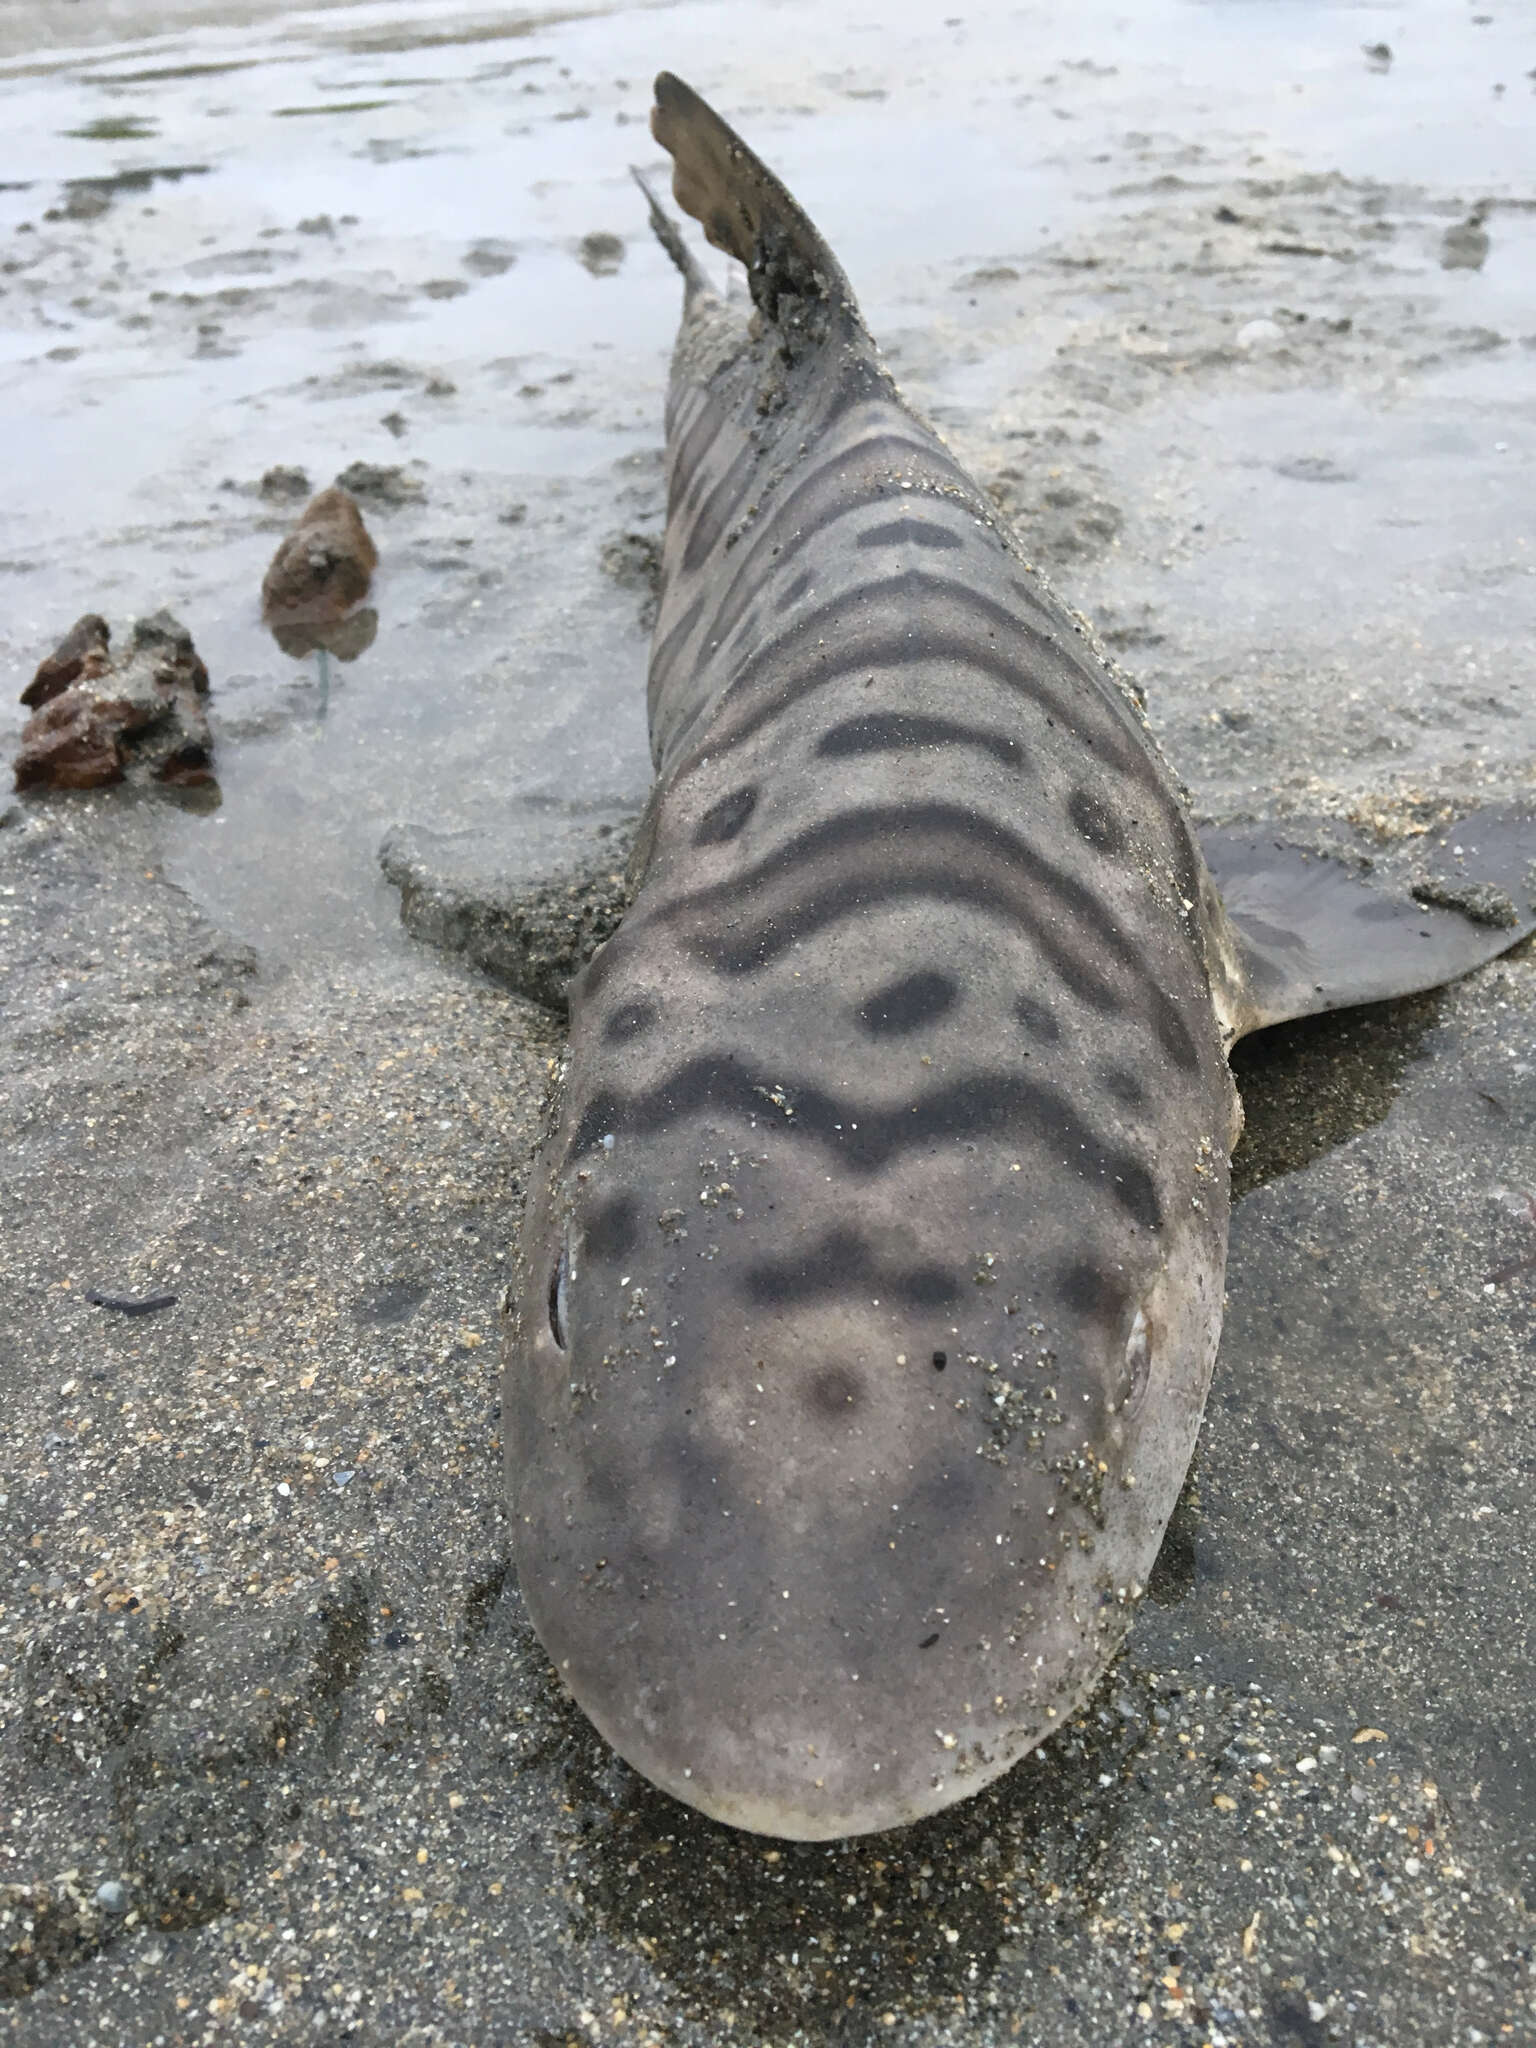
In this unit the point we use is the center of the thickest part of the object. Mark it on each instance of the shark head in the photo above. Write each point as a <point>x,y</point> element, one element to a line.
<point>837,1466</point>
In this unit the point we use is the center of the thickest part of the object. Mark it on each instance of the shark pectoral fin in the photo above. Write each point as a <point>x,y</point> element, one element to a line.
<point>1306,931</point>
<point>529,902</point>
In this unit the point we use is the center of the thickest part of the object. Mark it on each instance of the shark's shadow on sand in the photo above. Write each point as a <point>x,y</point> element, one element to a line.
<point>1314,1084</point>
<point>823,1940</point>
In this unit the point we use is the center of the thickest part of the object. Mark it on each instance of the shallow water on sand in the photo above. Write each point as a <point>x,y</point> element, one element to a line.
<point>229,246</point>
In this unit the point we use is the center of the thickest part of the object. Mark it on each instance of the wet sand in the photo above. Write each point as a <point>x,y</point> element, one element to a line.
<point>1193,296</point>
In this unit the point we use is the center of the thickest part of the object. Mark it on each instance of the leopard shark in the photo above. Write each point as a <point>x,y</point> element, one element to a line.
<point>871,1276</point>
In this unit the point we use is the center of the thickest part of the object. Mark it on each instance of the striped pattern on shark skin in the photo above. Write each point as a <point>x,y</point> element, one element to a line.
<point>888,1182</point>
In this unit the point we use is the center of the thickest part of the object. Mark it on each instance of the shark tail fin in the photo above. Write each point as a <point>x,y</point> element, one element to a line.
<point>795,279</point>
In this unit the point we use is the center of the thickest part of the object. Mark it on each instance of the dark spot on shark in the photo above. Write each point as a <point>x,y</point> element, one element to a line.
<point>1090,1291</point>
<point>1036,1019</point>
<point>839,1263</point>
<point>629,1020</point>
<point>928,1287</point>
<point>1089,987</point>
<point>613,1228</point>
<point>905,1005</point>
<point>1031,597</point>
<point>723,820</point>
<point>1135,1190</point>
<point>834,1390</point>
<point>1124,1087</point>
<point>1094,822</point>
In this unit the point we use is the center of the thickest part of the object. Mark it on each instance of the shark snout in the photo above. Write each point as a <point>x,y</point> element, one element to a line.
<point>817,1613</point>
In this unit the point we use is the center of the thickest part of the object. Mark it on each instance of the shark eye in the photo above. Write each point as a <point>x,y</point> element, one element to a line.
<point>559,1291</point>
<point>1137,1367</point>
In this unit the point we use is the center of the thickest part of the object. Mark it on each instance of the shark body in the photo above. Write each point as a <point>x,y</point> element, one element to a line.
<point>872,1274</point>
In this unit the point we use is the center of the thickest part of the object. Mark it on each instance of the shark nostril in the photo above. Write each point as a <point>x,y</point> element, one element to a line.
<point>940,1360</point>
<point>559,1288</point>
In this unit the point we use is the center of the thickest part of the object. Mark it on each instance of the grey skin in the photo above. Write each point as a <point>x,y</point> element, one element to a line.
<point>871,1277</point>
